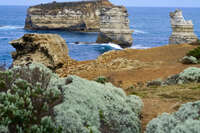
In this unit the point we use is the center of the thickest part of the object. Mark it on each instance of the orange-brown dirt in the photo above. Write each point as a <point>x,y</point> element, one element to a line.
<point>130,67</point>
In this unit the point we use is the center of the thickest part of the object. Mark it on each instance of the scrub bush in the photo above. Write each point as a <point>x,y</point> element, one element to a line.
<point>90,107</point>
<point>195,53</point>
<point>185,120</point>
<point>27,98</point>
<point>101,80</point>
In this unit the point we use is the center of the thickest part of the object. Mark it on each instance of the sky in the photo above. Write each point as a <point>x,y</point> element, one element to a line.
<point>137,3</point>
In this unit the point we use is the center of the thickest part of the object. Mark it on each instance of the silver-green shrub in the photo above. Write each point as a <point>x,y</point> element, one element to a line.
<point>191,74</point>
<point>185,120</point>
<point>27,94</point>
<point>90,107</point>
<point>33,99</point>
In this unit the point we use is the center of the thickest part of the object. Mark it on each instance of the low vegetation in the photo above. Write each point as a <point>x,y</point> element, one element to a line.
<point>27,99</point>
<point>101,80</point>
<point>185,120</point>
<point>91,107</point>
<point>195,53</point>
<point>33,99</point>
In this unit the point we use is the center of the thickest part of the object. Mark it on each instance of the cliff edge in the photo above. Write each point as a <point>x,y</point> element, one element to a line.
<point>86,16</point>
<point>48,49</point>
<point>72,16</point>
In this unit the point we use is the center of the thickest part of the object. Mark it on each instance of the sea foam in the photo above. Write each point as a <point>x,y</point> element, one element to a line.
<point>139,32</point>
<point>139,47</point>
<point>8,27</point>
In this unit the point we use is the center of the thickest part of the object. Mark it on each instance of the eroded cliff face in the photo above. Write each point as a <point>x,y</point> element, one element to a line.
<point>72,16</point>
<point>183,30</point>
<point>48,49</point>
<point>114,26</point>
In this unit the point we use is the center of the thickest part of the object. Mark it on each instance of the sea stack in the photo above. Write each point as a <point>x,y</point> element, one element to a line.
<point>114,26</point>
<point>71,16</point>
<point>86,16</point>
<point>183,31</point>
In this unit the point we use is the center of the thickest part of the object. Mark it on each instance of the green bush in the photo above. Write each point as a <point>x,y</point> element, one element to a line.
<point>185,120</point>
<point>101,80</point>
<point>90,107</point>
<point>195,53</point>
<point>26,101</point>
<point>34,100</point>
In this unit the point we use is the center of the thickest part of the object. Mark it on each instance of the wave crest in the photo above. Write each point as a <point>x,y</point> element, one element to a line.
<point>8,27</point>
<point>115,46</point>
<point>139,32</point>
<point>139,47</point>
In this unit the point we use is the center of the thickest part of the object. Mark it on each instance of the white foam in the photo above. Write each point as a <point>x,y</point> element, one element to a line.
<point>139,47</point>
<point>115,46</point>
<point>139,32</point>
<point>8,27</point>
<point>112,45</point>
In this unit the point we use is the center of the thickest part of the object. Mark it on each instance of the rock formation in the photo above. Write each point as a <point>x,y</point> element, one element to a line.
<point>72,16</point>
<point>48,49</point>
<point>87,16</point>
<point>183,31</point>
<point>114,26</point>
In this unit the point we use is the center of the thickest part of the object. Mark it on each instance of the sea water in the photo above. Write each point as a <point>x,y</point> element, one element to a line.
<point>151,29</point>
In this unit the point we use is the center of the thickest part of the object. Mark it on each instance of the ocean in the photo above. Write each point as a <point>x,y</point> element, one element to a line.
<point>151,27</point>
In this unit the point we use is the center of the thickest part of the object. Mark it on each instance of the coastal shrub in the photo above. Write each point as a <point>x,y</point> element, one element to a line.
<point>27,98</point>
<point>33,99</point>
<point>195,53</point>
<point>101,80</point>
<point>91,107</point>
<point>185,120</point>
<point>191,74</point>
<point>189,60</point>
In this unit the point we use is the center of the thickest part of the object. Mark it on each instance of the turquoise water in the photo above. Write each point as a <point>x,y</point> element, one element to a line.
<point>151,25</point>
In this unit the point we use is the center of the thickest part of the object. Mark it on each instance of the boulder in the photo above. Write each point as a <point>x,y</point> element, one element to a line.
<point>114,27</point>
<point>155,83</point>
<point>183,31</point>
<point>48,49</point>
<point>189,60</point>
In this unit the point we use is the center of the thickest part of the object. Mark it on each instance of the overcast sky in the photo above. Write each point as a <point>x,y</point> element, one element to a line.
<point>143,3</point>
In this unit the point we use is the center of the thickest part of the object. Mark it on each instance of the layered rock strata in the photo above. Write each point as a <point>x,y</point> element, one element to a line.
<point>72,16</point>
<point>86,16</point>
<point>48,49</point>
<point>114,26</point>
<point>183,31</point>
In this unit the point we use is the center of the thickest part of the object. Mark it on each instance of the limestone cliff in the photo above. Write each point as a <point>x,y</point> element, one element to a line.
<point>48,49</point>
<point>114,26</point>
<point>183,31</point>
<point>72,16</point>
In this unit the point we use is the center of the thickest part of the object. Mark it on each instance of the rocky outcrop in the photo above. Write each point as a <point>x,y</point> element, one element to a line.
<point>72,16</point>
<point>87,16</point>
<point>114,26</point>
<point>183,31</point>
<point>48,49</point>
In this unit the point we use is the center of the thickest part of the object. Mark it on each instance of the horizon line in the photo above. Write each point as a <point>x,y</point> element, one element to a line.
<point>131,6</point>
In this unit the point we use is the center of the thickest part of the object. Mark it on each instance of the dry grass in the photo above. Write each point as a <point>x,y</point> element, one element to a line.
<point>158,100</point>
<point>184,93</point>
